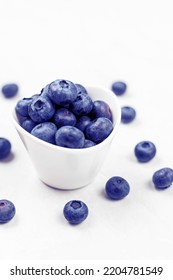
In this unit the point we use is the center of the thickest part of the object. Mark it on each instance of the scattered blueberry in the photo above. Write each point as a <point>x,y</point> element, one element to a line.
<point>101,109</point>
<point>63,117</point>
<point>28,124</point>
<point>82,105</point>
<point>45,131</point>
<point>62,92</point>
<point>7,211</point>
<point>5,148</point>
<point>75,211</point>
<point>98,130</point>
<point>119,88</point>
<point>10,90</point>
<point>41,109</point>
<point>69,137</point>
<point>117,188</point>
<point>128,114</point>
<point>163,178</point>
<point>145,151</point>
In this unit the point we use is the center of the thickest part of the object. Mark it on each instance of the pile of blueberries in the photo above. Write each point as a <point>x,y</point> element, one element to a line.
<point>64,114</point>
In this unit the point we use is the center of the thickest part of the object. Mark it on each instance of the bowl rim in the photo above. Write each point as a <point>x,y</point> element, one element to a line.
<point>73,150</point>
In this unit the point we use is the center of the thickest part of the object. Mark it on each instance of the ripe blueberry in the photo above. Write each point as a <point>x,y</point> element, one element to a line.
<point>63,117</point>
<point>45,131</point>
<point>41,109</point>
<point>80,89</point>
<point>101,109</point>
<point>75,211</point>
<point>7,211</point>
<point>119,88</point>
<point>62,92</point>
<point>145,151</point>
<point>22,107</point>
<point>28,124</point>
<point>117,188</point>
<point>128,114</point>
<point>5,148</point>
<point>69,137</point>
<point>98,130</point>
<point>82,122</point>
<point>163,178</point>
<point>10,90</point>
<point>82,105</point>
<point>88,143</point>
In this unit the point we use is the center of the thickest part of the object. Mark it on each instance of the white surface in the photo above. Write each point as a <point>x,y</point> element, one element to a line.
<point>65,168</point>
<point>91,42</point>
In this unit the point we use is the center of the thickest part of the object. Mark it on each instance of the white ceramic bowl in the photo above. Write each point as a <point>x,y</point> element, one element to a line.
<point>67,168</point>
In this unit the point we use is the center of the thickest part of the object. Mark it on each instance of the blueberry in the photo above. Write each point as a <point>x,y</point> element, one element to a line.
<point>21,107</point>
<point>62,92</point>
<point>10,90</point>
<point>128,114</point>
<point>5,148</point>
<point>63,117</point>
<point>69,137</point>
<point>82,122</point>
<point>119,88</point>
<point>82,105</point>
<point>45,131</point>
<point>98,130</point>
<point>88,143</point>
<point>75,211</point>
<point>28,124</point>
<point>101,109</point>
<point>163,178</point>
<point>7,211</point>
<point>145,151</point>
<point>41,109</point>
<point>80,88</point>
<point>117,188</point>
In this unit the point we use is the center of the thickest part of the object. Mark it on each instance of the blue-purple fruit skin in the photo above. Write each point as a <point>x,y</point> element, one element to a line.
<point>10,90</point>
<point>45,131</point>
<point>98,130</point>
<point>62,92</point>
<point>82,105</point>
<point>7,211</point>
<point>41,109</point>
<point>5,148</point>
<point>128,114</point>
<point>89,143</point>
<point>119,88</point>
<point>117,188</point>
<point>28,124</point>
<point>75,211</point>
<point>63,116</point>
<point>22,105</point>
<point>101,109</point>
<point>80,88</point>
<point>69,137</point>
<point>163,178</point>
<point>82,122</point>
<point>145,151</point>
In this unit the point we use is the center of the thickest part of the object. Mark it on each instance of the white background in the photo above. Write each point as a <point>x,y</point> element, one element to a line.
<point>90,42</point>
